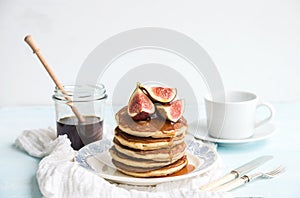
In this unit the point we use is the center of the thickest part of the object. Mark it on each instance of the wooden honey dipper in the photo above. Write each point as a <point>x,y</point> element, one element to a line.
<point>29,40</point>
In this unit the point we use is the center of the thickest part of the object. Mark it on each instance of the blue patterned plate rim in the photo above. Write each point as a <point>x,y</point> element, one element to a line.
<point>205,152</point>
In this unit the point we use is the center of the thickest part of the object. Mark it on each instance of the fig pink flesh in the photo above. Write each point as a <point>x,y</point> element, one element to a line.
<point>164,93</point>
<point>176,109</point>
<point>140,102</point>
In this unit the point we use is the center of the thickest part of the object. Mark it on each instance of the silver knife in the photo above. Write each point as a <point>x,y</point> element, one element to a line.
<point>248,178</point>
<point>237,172</point>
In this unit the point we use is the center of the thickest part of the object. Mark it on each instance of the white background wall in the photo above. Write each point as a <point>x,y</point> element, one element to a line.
<point>255,44</point>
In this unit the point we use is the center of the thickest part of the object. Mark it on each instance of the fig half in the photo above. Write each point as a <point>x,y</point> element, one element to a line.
<point>172,111</point>
<point>160,94</point>
<point>140,107</point>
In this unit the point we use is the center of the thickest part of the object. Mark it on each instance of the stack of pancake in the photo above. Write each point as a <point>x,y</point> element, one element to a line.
<point>149,148</point>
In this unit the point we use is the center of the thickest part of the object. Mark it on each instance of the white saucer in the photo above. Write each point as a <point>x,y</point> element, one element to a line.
<point>261,133</point>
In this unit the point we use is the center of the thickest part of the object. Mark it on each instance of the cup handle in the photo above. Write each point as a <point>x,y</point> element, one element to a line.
<point>271,110</point>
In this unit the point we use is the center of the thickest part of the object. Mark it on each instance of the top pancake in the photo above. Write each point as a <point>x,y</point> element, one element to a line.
<point>155,127</point>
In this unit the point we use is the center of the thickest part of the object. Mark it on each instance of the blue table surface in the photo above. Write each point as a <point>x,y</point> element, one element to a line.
<point>17,169</point>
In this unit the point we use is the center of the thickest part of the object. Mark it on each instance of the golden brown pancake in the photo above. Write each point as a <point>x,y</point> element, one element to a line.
<point>164,154</point>
<point>146,143</point>
<point>145,172</point>
<point>130,161</point>
<point>155,127</point>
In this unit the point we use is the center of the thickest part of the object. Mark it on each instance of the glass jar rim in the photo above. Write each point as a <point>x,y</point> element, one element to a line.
<point>80,93</point>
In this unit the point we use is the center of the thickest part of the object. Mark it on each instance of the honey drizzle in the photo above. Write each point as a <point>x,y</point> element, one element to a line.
<point>185,170</point>
<point>166,128</point>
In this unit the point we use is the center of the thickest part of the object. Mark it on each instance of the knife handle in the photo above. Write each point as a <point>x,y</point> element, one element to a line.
<point>218,182</point>
<point>233,184</point>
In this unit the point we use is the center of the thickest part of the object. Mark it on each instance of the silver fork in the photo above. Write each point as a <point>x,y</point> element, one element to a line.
<point>248,178</point>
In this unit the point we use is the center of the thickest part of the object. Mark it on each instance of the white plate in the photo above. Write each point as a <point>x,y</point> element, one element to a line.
<point>202,156</point>
<point>261,133</point>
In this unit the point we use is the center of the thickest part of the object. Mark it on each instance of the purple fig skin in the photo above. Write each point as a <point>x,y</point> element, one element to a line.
<point>141,116</point>
<point>160,94</point>
<point>140,107</point>
<point>172,111</point>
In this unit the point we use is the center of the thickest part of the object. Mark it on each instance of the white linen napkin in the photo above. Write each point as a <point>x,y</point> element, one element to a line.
<point>59,176</point>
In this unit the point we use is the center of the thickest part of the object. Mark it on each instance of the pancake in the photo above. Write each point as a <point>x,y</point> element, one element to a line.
<point>155,127</point>
<point>130,161</point>
<point>144,172</point>
<point>146,143</point>
<point>166,154</point>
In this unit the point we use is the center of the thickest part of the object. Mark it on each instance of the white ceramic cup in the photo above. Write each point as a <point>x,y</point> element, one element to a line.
<point>234,117</point>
